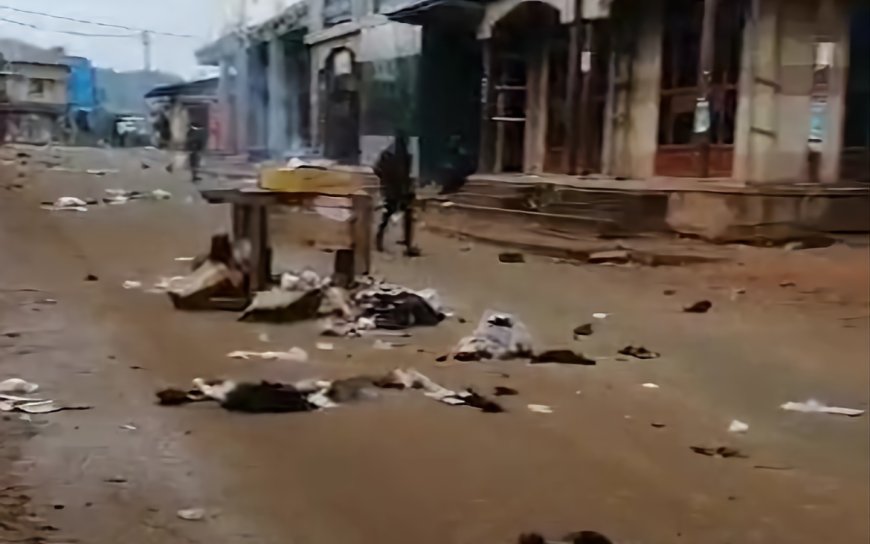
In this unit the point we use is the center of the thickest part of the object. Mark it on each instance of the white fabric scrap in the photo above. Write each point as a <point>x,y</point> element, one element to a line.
<point>295,354</point>
<point>813,406</point>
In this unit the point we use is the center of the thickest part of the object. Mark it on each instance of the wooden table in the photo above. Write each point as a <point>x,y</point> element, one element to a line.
<point>350,239</point>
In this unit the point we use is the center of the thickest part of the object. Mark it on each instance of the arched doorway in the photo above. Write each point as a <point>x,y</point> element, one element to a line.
<point>524,85</point>
<point>339,88</point>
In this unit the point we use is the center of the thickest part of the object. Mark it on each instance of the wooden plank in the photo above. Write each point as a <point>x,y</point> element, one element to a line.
<point>363,215</point>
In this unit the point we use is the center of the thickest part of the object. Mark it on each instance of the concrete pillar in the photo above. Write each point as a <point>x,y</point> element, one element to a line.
<point>242,99</point>
<point>277,107</point>
<point>835,20</point>
<point>537,85</point>
<point>258,100</point>
<point>634,139</point>
<point>773,120</point>
<point>294,80</point>
<point>224,113</point>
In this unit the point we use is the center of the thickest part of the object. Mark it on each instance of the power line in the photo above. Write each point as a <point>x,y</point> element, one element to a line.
<point>97,23</point>
<point>72,32</point>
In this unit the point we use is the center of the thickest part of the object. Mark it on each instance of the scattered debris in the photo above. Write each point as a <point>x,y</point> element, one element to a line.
<point>669,292</point>
<point>191,514</point>
<point>700,307</point>
<point>383,345</point>
<point>67,203</point>
<point>773,467</point>
<point>540,409</point>
<point>92,277</point>
<point>314,394</point>
<point>658,425</point>
<point>304,281</point>
<point>145,165</point>
<point>617,256</point>
<point>115,480</point>
<point>279,306</point>
<point>737,292</point>
<point>129,427</point>
<point>600,315</point>
<point>650,385</point>
<point>497,336</point>
<point>325,346</point>
<point>18,386</point>
<point>738,426</point>
<point>562,356</point>
<point>583,330</point>
<point>814,406</point>
<point>160,194</point>
<point>503,391</point>
<point>96,172</point>
<point>184,259</point>
<point>263,337</point>
<point>639,352</point>
<point>722,451</point>
<point>580,537</point>
<point>787,283</point>
<point>218,280</point>
<point>130,284</point>
<point>295,354</point>
<point>511,257</point>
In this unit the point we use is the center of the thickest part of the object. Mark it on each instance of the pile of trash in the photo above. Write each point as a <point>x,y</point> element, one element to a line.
<point>367,305</point>
<point>316,394</point>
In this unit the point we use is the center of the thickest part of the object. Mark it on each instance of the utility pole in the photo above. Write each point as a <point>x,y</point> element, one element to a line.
<point>146,49</point>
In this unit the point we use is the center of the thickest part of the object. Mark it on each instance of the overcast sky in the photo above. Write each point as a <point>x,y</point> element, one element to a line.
<point>195,17</point>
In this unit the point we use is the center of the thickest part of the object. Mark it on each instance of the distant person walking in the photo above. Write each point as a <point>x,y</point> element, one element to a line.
<point>393,169</point>
<point>195,144</point>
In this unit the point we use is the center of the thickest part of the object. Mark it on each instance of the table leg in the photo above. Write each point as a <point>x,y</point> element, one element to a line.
<point>240,219</point>
<point>261,254</point>
<point>361,233</point>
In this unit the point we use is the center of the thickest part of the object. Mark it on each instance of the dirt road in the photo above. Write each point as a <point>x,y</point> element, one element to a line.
<point>402,468</point>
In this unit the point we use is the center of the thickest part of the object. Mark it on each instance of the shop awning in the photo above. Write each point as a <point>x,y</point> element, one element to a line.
<point>452,12</point>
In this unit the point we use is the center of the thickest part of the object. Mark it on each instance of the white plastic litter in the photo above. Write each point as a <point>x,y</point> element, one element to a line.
<point>381,344</point>
<point>738,426</point>
<point>295,354</point>
<point>540,409</point>
<point>600,315</point>
<point>325,346</point>
<point>184,259</point>
<point>814,406</point>
<point>130,284</point>
<point>650,385</point>
<point>68,203</point>
<point>192,514</point>
<point>18,386</point>
<point>160,194</point>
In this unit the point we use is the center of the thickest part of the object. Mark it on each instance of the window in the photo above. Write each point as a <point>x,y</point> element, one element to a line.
<point>336,11</point>
<point>36,87</point>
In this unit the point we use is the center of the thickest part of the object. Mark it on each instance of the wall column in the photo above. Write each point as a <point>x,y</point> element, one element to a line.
<point>634,138</point>
<point>224,120</point>
<point>776,87</point>
<point>537,86</point>
<point>276,82</point>
<point>294,82</point>
<point>835,20</point>
<point>242,99</point>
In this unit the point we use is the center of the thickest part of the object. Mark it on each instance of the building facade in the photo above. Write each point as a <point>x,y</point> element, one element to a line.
<point>753,91</point>
<point>750,91</point>
<point>33,101</point>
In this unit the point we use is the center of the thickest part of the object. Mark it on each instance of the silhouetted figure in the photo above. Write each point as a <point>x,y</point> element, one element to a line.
<point>195,143</point>
<point>394,171</point>
<point>458,165</point>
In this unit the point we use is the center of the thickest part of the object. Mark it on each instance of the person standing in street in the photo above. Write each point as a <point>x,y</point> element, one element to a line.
<point>195,143</point>
<point>393,169</point>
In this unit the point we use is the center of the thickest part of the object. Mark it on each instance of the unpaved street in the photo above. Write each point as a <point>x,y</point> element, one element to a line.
<point>785,326</point>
